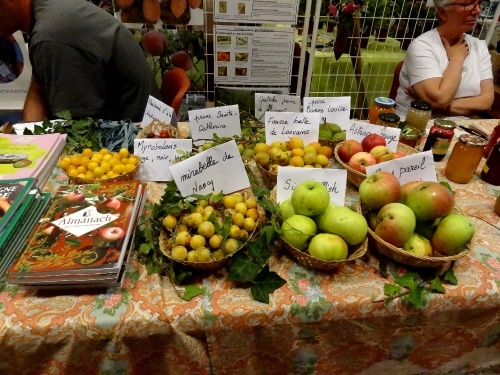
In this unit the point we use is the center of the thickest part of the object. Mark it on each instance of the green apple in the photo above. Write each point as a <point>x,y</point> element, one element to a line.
<point>327,246</point>
<point>310,198</point>
<point>286,209</point>
<point>453,233</point>
<point>339,136</point>
<point>406,188</point>
<point>335,128</point>
<point>397,223</point>
<point>344,222</point>
<point>325,132</point>
<point>379,189</point>
<point>297,230</point>
<point>418,245</point>
<point>430,200</point>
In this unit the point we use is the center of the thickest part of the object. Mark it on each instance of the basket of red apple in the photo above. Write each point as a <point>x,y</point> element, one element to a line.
<point>416,223</point>
<point>356,156</point>
<point>293,153</point>
<point>158,129</point>
<point>206,235</point>
<point>318,234</point>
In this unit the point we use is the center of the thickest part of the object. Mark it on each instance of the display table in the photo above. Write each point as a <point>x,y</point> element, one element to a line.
<point>316,323</point>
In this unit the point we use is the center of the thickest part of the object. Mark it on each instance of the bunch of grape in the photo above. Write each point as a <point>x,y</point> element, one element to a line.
<point>212,231</point>
<point>99,165</point>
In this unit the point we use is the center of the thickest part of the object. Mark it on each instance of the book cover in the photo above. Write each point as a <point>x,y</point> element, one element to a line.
<point>85,230</point>
<point>24,156</point>
<point>12,195</point>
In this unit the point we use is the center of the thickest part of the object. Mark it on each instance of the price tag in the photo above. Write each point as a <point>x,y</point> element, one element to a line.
<point>157,155</point>
<point>223,121</point>
<point>275,103</point>
<point>336,110</point>
<point>281,126</point>
<point>358,130</point>
<point>335,181</point>
<point>217,169</point>
<point>416,167</point>
<point>157,110</point>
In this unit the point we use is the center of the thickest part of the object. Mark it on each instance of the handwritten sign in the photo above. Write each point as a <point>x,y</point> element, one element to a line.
<point>157,110</point>
<point>219,168</point>
<point>157,154</point>
<point>416,167</point>
<point>358,130</point>
<point>275,103</point>
<point>223,121</point>
<point>281,126</point>
<point>331,109</point>
<point>335,181</point>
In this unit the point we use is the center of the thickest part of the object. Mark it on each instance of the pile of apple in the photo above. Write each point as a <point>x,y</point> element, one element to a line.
<point>291,153</point>
<point>212,230</point>
<point>371,150</point>
<point>314,225</point>
<point>331,132</point>
<point>416,216</point>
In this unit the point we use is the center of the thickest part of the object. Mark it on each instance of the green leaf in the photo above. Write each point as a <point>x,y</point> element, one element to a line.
<point>415,298</point>
<point>259,251</point>
<point>408,280</point>
<point>449,276</point>
<point>266,283</point>
<point>75,242</point>
<point>144,248</point>
<point>382,267</point>
<point>243,269</point>
<point>391,289</point>
<point>192,291</point>
<point>436,286</point>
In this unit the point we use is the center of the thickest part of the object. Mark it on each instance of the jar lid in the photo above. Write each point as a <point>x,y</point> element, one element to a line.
<point>445,124</point>
<point>385,101</point>
<point>421,105</point>
<point>472,140</point>
<point>388,117</point>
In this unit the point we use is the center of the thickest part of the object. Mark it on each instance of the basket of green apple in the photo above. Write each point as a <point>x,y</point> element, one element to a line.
<point>355,156</point>
<point>318,234</point>
<point>207,234</point>
<point>330,134</point>
<point>293,153</point>
<point>416,223</point>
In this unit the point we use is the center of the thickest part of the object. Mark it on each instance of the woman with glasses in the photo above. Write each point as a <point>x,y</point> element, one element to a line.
<point>447,67</point>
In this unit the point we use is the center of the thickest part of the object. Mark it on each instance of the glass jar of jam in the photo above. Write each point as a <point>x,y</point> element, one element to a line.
<point>388,119</point>
<point>493,139</point>
<point>464,158</point>
<point>419,114</point>
<point>491,168</point>
<point>380,105</point>
<point>439,138</point>
<point>410,136</point>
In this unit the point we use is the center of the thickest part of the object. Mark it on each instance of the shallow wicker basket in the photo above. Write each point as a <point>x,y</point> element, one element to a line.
<point>329,143</point>
<point>304,259</point>
<point>156,127</point>
<point>355,177</point>
<point>410,259</point>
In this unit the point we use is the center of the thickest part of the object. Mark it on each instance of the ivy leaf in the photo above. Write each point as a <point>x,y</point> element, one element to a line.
<point>243,269</point>
<point>259,251</point>
<point>192,291</point>
<point>416,297</point>
<point>391,289</point>
<point>408,280</point>
<point>449,276</point>
<point>382,267</point>
<point>266,283</point>
<point>436,286</point>
<point>144,248</point>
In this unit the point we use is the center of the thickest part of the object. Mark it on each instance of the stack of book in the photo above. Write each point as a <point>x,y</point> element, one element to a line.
<point>83,239</point>
<point>35,156</point>
<point>21,205</point>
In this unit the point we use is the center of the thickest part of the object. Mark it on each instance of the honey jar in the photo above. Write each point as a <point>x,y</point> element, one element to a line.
<point>464,158</point>
<point>380,105</point>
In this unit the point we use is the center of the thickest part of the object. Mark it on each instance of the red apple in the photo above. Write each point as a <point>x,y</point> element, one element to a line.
<point>75,198</point>
<point>397,223</point>
<point>379,189</point>
<point>112,233</point>
<point>372,140</point>
<point>348,148</point>
<point>430,200</point>
<point>360,160</point>
<point>406,188</point>
<point>109,205</point>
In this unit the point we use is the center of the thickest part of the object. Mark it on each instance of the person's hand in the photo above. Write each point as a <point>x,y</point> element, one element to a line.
<point>457,50</point>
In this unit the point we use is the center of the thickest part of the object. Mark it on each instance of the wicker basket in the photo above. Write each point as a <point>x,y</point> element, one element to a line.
<point>304,259</point>
<point>410,259</point>
<point>355,177</point>
<point>156,127</point>
<point>329,143</point>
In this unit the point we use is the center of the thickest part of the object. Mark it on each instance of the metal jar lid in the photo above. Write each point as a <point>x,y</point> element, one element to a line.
<point>421,105</point>
<point>385,101</point>
<point>389,117</point>
<point>472,140</point>
<point>445,123</point>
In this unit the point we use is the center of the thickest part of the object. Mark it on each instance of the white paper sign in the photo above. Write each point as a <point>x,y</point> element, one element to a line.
<point>335,181</point>
<point>217,169</point>
<point>275,103</point>
<point>416,167</point>
<point>358,130</point>
<point>157,110</point>
<point>281,126</point>
<point>223,121</point>
<point>332,109</point>
<point>157,154</point>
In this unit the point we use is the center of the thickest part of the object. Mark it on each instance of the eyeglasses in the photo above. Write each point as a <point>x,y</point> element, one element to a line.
<point>468,6</point>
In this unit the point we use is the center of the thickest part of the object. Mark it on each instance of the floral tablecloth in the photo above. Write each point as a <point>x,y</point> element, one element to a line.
<point>316,323</point>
